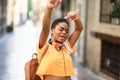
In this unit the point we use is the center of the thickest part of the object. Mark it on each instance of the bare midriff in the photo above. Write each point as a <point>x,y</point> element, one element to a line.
<point>50,77</point>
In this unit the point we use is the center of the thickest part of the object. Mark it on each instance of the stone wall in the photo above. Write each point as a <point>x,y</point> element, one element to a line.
<point>93,44</point>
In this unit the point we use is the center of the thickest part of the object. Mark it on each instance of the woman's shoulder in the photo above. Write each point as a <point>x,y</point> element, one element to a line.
<point>42,48</point>
<point>68,47</point>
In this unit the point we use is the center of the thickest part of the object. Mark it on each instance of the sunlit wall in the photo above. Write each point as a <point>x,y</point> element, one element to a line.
<point>16,11</point>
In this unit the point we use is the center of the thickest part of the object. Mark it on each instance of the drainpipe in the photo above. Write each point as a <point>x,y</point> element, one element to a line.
<point>85,30</point>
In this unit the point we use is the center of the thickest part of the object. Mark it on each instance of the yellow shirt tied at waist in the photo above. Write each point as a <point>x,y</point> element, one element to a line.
<point>54,62</point>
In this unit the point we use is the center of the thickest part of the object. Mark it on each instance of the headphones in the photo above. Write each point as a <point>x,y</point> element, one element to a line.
<point>58,46</point>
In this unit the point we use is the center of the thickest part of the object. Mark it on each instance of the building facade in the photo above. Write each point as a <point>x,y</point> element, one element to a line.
<point>103,38</point>
<point>16,12</point>
<point>12,14</point>
<point>3,13</point>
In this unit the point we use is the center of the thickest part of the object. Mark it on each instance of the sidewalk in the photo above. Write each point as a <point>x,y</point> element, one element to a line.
<point>84,73</point>
<point>17,47</point>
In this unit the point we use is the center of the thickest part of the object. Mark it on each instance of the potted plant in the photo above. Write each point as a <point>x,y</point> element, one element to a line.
<point>115,12</point>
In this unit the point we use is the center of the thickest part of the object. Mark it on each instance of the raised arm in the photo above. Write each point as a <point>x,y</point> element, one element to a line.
<point>46,21</point>
<point>73,15</point>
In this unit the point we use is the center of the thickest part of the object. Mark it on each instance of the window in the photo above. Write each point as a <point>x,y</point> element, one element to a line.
<point>65,7</point>
<point>110,11</point>
<point>110,54</point>
<point>110,59</point>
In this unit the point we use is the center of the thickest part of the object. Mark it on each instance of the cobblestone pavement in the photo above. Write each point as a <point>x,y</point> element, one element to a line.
<point>17,47</point>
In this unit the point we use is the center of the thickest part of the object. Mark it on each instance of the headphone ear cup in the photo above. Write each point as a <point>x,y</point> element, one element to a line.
<point>58,46</point>
<point>50,41</point>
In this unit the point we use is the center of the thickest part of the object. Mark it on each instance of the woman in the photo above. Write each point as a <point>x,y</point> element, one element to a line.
<point>57,63</point>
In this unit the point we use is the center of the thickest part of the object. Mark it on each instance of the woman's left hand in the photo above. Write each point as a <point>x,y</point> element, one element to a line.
<point>72,15</point>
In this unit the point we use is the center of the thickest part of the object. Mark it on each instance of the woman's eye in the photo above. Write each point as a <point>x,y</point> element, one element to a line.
<point>66,31</point>
<point>60,29</point>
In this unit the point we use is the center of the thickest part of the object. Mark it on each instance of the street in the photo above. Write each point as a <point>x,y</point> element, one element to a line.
<point>16,49</point>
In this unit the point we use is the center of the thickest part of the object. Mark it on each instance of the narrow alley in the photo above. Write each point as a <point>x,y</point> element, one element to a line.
<point>16,49</point>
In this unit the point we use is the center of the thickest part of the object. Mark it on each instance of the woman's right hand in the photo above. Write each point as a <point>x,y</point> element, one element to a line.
<point>53,3</point>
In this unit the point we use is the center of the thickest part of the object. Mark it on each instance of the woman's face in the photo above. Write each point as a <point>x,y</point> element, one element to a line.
<point>60,32</point>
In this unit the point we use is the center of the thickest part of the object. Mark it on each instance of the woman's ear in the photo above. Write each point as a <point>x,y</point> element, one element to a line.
<point>52,31</point>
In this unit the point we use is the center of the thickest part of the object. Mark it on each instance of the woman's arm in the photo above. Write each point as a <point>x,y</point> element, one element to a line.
<point>46,21</point>
<point>73,15</point>
<point>45,27</point>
